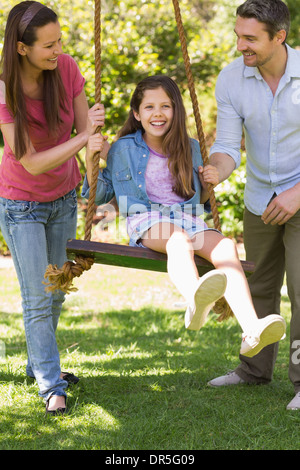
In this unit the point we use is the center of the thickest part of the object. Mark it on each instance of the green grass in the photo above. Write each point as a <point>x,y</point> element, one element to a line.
<point>143,376</point>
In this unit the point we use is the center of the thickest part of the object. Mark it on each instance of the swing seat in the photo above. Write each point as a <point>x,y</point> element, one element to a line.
<point>133,257</point>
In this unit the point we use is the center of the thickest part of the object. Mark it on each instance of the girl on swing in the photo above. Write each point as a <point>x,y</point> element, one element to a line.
<point>155,171</point>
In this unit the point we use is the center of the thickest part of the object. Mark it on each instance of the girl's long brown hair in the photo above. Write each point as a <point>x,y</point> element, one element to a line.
<point>53,89</point>
<point>176,143</point>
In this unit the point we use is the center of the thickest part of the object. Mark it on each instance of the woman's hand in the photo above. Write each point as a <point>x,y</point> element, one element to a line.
<point>97,143</point>
<point>95,118</point>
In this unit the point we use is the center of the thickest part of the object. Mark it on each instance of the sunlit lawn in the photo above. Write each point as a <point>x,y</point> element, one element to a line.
<point>143,376</point>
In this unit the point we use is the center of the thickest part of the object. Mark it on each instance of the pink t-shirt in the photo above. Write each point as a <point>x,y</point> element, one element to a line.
<point>15,182</point>
<point>159,180</point>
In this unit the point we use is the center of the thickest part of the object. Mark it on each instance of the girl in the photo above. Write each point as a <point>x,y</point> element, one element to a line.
<point>41,98</point>
<point>155,171</point>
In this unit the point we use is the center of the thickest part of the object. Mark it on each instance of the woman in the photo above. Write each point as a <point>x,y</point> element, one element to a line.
<point>41,98</point>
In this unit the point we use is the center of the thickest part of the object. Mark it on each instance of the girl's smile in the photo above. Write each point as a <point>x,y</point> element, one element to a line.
<point>155,114</point>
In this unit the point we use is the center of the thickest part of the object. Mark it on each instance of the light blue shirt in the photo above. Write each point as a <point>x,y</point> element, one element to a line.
<point>271,126</point>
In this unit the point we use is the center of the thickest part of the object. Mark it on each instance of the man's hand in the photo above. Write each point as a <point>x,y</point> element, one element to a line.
<point>282,207</point>
<point>208,175</point>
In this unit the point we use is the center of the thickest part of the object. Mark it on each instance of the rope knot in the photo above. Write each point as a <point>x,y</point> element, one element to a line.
<point>222,309</point>
<point>62,278</point>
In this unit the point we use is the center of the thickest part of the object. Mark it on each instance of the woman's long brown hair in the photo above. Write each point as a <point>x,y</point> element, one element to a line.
<point>176,143</point>
<point>53,89</point>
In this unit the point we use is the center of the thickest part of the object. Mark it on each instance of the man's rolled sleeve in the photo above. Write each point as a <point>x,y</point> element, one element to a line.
<point>229,125</point>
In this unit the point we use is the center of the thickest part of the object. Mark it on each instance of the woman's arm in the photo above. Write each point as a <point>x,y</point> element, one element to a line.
<point>86,122</point>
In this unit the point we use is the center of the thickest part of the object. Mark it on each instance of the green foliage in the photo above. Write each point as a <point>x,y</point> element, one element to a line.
<point>294,37</point>
<point>140,38</point>
<point>3,245</point>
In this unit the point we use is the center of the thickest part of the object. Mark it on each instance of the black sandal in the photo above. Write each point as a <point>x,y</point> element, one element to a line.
<point>70,378</point>
<point>58,411</point>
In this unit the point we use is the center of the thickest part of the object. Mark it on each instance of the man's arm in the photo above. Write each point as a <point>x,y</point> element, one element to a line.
<point>219,169</point>
<point>225,154</point>
<point>224,163</point>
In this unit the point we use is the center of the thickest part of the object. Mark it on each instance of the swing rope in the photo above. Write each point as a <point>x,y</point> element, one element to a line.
<point>93,187</point>
<point>221,307</point>
<point>195,104</point>
<point>62,278</point>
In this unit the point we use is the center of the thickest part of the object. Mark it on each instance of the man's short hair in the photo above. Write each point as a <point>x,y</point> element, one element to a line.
<point>273,13</point>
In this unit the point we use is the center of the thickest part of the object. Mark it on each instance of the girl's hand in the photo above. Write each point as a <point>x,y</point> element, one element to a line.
<point>208,175</point>
<point>95,119</point>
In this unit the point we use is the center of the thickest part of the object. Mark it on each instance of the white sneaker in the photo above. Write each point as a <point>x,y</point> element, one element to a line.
<point>270,330</point>
<point>295,403</point>
<point>231,378</point>
<point>211,287</point>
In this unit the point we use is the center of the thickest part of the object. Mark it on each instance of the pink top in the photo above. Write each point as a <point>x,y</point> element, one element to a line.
<point>159,180</point>
<point>15,182</point>
<point>159,187</point>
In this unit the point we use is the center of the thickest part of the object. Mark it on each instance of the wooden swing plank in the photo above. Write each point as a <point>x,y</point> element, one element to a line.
<point>133,257</point>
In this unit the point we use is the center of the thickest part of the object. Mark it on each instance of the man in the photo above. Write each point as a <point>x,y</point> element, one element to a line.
<point>260,93</point>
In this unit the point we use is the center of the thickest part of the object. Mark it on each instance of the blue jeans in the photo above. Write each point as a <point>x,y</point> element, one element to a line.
<point>36,234</point>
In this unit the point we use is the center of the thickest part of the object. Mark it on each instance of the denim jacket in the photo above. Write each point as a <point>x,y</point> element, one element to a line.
<point>124,177</point>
